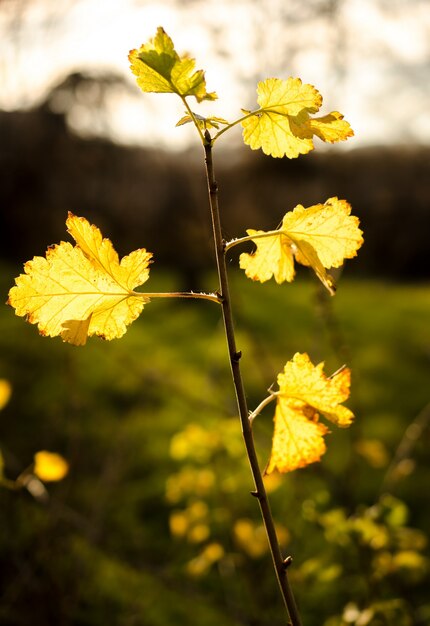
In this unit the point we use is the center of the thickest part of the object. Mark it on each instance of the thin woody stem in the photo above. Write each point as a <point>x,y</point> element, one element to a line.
<point>280,564</point>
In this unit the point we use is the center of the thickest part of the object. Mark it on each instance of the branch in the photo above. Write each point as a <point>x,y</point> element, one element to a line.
<point>279,563</point>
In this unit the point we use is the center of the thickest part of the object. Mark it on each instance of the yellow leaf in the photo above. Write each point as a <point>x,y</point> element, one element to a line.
<point>49,466</point>
<point>305,393</point>
<point>5,392</point>
<point>282,126</point>
<point>82,290</point>
<point>320,236</point>
<point>158,68</point>
<point>205,123</point>
<point>297,440</point>
<point>273,257</point>
<point>330,128</point>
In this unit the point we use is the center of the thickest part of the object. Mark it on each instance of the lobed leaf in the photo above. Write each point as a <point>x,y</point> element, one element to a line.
<point>82,290</point>
<point>158,68</point>
<point>282,125</point>
<point>320,236</point>
<point>305,393</point>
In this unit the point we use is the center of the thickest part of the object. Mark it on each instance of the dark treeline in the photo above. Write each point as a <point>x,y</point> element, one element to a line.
<point>147,198</point>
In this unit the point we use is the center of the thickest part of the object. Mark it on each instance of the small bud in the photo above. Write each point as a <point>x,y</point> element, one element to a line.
<point>287,561</point>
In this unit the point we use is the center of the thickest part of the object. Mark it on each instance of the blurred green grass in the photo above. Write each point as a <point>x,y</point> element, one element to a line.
<point>112,409</point>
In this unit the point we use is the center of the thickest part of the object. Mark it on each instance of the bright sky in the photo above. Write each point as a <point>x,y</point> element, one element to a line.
<point>370,59</point>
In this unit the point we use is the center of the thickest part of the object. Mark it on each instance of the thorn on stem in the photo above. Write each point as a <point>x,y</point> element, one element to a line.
<point>255,494</point>
<point>237,356</point>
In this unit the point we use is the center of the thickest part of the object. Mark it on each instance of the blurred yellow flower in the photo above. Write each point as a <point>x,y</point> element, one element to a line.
<point>198,533</point>
<point>178,523</point>
<point>49,466</point>
<point>211,553</point>
<point>5,392</point>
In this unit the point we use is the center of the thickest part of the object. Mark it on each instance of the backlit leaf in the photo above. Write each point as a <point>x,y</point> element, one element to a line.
<point>321,236</point>
<point>205,123</point>
<point>282,125</point>
<point>304,394</point>
<point>158,68</point>
<point>82,290</point>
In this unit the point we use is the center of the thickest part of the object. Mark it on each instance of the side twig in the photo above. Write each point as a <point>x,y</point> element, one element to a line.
<point>280,564</point>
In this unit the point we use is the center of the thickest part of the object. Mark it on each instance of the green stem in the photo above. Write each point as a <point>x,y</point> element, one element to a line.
<point>280,564</point>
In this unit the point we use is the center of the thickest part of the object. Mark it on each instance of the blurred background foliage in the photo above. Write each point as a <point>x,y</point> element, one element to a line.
<point>154,523</point>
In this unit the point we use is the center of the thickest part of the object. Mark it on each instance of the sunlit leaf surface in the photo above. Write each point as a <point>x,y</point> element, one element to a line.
<point>321,236</point>
<point>82,290</point>
<point>282,126</point>
<point>304,394</point>
<point>159,69</point>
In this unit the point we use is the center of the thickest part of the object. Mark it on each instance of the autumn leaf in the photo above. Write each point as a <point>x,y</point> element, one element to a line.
<point>158,68</point>
<point>205,123</point>
<point>50,466</point>
<point>282,125</point>
<point>304,394</point>
<point>320,236</point>
<point>82,290</point>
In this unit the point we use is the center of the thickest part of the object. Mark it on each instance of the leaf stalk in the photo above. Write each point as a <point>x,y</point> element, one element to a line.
<point>235,123</point>
<point>261,406</point>
<point>213,297</point>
